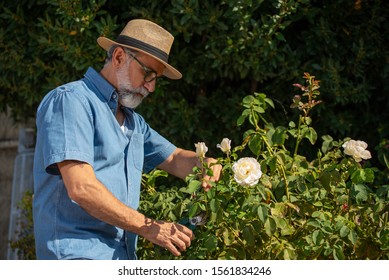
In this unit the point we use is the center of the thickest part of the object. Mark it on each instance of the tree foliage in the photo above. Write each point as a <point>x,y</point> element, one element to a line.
<point>225,49</point>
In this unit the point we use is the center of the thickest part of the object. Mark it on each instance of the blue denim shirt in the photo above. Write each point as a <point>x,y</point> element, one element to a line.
<point>76,121</point>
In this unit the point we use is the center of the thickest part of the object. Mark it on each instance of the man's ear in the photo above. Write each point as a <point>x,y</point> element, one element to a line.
<point>119,57</point>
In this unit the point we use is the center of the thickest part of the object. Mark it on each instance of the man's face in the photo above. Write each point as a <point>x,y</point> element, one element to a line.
<point>133,71</point>
<point>129,96</point>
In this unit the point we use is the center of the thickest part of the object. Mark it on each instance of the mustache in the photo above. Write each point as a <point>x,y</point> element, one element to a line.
<point>127,92</point>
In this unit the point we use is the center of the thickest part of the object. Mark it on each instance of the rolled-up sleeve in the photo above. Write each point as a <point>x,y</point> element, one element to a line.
<point>66,125</point>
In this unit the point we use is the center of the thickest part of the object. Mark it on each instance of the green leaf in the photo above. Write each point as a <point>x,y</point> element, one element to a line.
<point>317,214</point>
<point>248,100</point>
<point>214,204</point>
<point>202,206</point>
<point>384,239</point>
<point>317,204</point>
<point>193,210</point>
<point>272,163</point>
<point>228,237</point>
<point>279,209</point>
<point>259,109</point>
<point>255,144</point>
<point>171,216</point>
<point>327,143</point>
<point>248,235</point>
<point>270,226</point>
<point>279,135</point>
<point>289,254</point>
<point>362,175</point>
<point>262,213</point>
<point>344,231</point>
<point>330,178</point>
<point>353,237</point>
<point>338,253</point>
<point>269,101</point>
<point>192,187</point>
<point>383,192</point>
<point>307,120</point>
<point>210,243</point>
<point>317,237</point>
<point>243,117</point>
<point>311,135</point>
<point>314,223</point>
<point>280,36</point>
<point>360,192</point>
<point>284,226</point>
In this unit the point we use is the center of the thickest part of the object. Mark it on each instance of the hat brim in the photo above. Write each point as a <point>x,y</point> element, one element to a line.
<point>169,71</point>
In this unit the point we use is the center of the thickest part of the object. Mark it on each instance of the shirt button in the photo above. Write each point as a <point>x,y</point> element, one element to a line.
<point>114,96</point>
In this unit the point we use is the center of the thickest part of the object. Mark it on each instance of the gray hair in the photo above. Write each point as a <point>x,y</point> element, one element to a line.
<point>113,48</point>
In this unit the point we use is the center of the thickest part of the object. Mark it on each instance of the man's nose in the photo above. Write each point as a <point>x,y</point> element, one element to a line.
<point>150,86</point>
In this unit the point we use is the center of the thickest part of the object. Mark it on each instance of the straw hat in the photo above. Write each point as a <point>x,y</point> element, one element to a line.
<point>147,37</point>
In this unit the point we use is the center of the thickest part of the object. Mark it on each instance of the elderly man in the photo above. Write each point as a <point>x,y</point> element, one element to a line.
<point>92,148</point>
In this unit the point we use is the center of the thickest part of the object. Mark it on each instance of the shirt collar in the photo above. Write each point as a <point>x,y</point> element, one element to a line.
<point>102,88</point>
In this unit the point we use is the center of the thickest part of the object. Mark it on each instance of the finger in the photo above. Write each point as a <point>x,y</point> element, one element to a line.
<point>180,241</point>
<point>216,172</point>
<point>205,185</point>
<point>180,244</point>
<point>208,183</point>
<point>187,234</point>
<point>185,239</point>
<point>173,249</point>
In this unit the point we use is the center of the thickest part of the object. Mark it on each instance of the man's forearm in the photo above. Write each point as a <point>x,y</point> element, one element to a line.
<point>91,195</point>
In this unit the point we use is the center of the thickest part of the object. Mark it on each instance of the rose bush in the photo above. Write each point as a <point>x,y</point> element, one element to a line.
<point>272,202</point>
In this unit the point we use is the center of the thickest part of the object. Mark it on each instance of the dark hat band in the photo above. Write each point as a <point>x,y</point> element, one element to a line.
<point>132,42</point>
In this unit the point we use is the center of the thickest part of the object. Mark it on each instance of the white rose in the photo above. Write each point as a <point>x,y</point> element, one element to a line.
<point>225,145</point>
<point>201,149</point>
<point>247,171</point>
<point>356,149</point>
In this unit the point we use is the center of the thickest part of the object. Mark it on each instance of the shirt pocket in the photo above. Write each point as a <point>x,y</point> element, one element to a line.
<point>137,150</point>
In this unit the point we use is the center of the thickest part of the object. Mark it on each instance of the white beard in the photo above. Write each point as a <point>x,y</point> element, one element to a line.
<point>129,96</point>
<point>130,99</point>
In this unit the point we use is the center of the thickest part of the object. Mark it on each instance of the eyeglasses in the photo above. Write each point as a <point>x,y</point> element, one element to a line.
<point>150,74</point>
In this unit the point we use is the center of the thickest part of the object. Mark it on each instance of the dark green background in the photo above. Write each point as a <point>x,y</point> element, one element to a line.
<point>225,50</point>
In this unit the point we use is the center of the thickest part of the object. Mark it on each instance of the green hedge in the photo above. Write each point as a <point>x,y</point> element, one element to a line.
<point>225,49</point>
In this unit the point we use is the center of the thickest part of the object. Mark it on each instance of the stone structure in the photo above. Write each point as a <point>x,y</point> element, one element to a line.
<point>9,135</point>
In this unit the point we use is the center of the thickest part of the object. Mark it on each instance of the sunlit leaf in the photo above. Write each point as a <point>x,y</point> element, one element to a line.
<point>270,226</point>
<point>262,213</point>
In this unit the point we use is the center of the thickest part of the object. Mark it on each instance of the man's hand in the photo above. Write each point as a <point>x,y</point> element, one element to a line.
<point>181,164</point>
<point>174,237</point>
<point>216,171</point>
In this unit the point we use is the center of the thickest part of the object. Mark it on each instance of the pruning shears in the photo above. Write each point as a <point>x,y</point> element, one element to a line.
<point>194,221</point>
